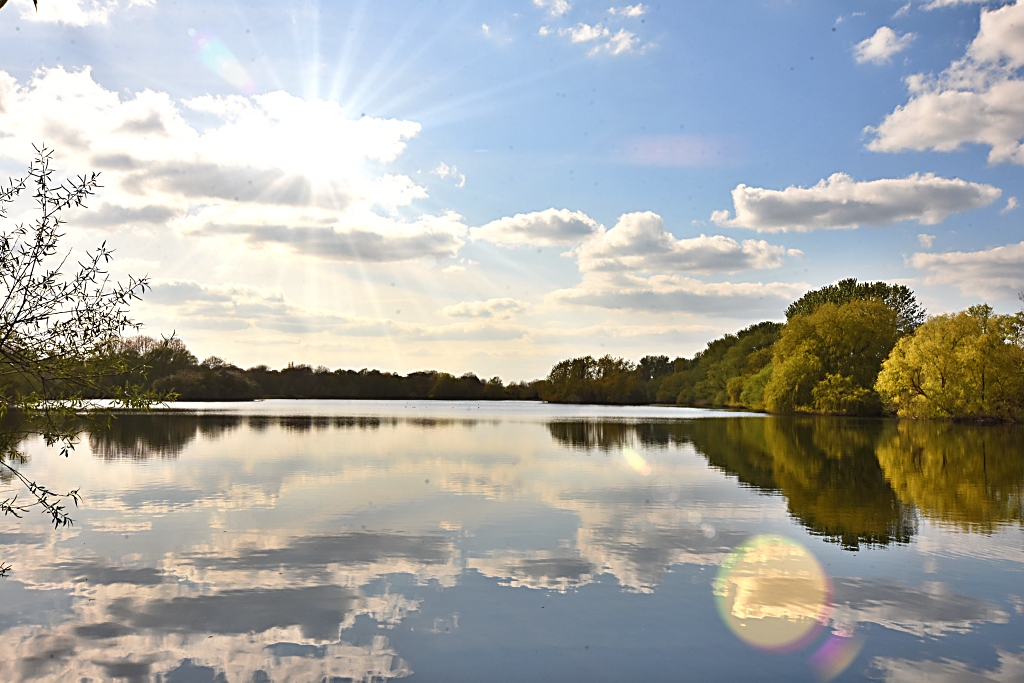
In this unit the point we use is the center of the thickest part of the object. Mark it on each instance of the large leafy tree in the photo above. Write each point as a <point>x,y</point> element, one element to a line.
<point>61,327</point>
<point>827,361</point>
<point>967,365</point>
<point>900,298</point>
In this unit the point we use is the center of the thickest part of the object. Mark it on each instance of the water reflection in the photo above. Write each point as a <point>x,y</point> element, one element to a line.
<point>968,476</point>
<point>854,482</point>
<point>294,547</point>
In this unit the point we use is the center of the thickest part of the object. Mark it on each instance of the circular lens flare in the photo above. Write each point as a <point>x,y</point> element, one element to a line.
<point>773,594</point>
<point>835,656</point>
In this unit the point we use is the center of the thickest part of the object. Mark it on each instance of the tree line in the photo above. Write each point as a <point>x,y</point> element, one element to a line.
<point>167,367</point>
<point>852,348</point>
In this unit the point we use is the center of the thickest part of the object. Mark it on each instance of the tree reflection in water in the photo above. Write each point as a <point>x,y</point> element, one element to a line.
<point>165,434</point>
<point>853,482</point>
<point>965,475</point>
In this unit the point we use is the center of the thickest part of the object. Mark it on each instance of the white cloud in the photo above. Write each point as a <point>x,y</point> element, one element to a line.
<point>555,8</point>
<point>631,11</point>
<point>620,43</point>
<point>307,185</point>
<point>75,12</point>
<point>1011,204</point>
<point>445,171</point>
<point>978,99</point>
<point>486,29</point>
<point>552,227</point>
<point>840,202</point>
<point>926,240</point>
<point>639,242</point>
<point>617,43</point>
<point>902,11</point>
<point>879,48</point>
<point>584,33</point>
<point>990,272</point>
<point>679,294</point>
<point>936,4</point>
<point>491,308</point>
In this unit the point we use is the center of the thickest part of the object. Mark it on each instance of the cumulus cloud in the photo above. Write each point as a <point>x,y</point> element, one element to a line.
<point>1011,204</point>
<point>926,240</point>
<point>990,272</point>
<point>879,48</point>
<point>840,202</point>
<point>551,227</point>
<point>674,293</point>
<point>639,242</point>
<point>491,308</point>
<point>978,99</point>
<point>555,8</point>
<point>307,184</point>
<point>631,11</point>
<point>604,40</point>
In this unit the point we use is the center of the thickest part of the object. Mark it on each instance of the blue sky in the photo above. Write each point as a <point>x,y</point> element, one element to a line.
<point>492,187</point>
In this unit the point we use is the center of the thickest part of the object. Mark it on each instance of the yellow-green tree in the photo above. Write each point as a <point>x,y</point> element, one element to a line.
<point>967,365</point>
<point>827,361</point>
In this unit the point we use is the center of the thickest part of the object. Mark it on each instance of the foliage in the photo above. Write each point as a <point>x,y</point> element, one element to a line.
<point>848,342</point>
<point>900,298</point>
<point>967,365</point>
<point>168,367</point>
<point>60,327</point>
<point>605,380</point>
<point>717,375</point>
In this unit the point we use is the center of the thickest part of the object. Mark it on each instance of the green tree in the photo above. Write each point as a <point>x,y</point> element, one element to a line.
<point>827,361</point>
<point>962,365</point>
<point>900,298</point>
<point>60,330</point>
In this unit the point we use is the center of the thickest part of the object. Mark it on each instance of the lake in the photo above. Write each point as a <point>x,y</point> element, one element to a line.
<point>368,541</point>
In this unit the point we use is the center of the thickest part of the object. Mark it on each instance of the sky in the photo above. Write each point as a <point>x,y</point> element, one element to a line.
<point>492,187</point>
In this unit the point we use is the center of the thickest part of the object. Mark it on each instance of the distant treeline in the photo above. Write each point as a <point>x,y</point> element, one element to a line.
<point>167,366</point>
<point>853,348</point>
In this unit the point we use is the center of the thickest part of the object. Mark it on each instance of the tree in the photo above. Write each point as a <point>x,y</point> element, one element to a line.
<point>827,361</point>
<point>900,298</point>
<point>967,365</point>
<point>60,329</point>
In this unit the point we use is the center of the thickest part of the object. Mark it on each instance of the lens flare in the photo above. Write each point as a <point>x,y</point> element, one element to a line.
<point>219,59</point>
<point>834,656</point>
<point>636,461</point>
<point>773,594</point>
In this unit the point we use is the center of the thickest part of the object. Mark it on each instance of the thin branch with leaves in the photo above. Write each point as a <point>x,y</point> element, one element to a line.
<point>62,325</point>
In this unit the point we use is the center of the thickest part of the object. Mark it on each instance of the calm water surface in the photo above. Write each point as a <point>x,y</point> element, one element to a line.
<point>369,541</point>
